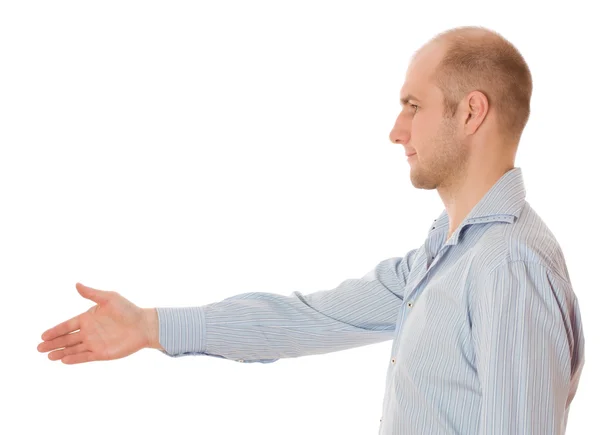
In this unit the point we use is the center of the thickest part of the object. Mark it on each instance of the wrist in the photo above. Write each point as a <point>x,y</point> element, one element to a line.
<point>152,328</point>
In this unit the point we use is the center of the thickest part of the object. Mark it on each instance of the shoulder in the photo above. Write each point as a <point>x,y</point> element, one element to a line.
<point>527,241</point>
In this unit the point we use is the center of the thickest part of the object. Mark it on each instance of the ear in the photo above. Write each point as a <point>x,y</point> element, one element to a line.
<point>477,107</point>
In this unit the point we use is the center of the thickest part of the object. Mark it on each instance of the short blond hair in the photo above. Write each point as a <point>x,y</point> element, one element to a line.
<point>477,58</point>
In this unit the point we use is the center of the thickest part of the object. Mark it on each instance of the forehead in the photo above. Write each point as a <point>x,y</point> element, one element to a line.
<point>414,89</point>
<point>418,80</point>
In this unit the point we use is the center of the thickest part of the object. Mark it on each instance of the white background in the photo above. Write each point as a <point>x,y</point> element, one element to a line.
<point>184,152</point>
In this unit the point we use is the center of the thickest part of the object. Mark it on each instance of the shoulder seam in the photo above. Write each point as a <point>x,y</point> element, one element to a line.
<point>543,266</point>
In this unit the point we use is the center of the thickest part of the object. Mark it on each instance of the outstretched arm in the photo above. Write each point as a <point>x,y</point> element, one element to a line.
<point>263,327</point>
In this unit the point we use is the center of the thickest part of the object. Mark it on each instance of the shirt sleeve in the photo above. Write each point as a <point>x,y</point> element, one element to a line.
<point>264,327</point>
<point>528,349</point>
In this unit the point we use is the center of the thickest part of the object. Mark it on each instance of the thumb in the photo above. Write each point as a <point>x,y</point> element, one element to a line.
<point>98,296</point>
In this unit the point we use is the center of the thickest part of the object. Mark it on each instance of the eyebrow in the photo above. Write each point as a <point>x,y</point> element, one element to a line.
<point>404,100</point>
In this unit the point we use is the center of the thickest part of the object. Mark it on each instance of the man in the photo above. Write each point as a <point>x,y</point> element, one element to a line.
<point>486,329</point>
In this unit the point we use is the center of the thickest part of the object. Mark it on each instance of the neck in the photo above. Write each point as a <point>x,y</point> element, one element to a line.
<point>463,193</point>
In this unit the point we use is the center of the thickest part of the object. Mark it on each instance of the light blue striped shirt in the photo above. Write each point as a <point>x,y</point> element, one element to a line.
<point>486,329</point>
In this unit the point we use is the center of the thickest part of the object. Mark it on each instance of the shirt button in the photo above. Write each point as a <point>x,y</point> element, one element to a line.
<point>393,360</point>
<point>410,304</point>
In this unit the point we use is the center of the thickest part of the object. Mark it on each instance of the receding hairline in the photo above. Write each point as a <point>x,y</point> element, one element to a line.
<point>477,58</point>
<point>464,33</point>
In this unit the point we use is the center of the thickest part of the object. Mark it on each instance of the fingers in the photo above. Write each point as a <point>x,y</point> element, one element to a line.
<point>79,358</point>
<point>62,341</point>
<point>98,296</point>
<point>61,329</point>
<point>68,351</point>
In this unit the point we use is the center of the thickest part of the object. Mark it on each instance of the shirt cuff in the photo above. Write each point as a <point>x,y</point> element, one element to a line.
<point>181,330</point>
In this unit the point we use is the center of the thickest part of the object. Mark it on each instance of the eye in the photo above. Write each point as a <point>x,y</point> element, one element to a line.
<point>414,106</point>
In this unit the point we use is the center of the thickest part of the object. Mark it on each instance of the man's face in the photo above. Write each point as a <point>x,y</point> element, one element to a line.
<point>440,152</point>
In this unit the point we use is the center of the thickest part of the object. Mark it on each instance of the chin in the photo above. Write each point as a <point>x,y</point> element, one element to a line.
<point>422,183</point>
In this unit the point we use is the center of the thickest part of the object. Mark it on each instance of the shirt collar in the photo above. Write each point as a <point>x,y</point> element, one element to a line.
<point>503,202</point>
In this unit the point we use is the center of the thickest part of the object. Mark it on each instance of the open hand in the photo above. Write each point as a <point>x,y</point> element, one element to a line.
<point>112,329</point>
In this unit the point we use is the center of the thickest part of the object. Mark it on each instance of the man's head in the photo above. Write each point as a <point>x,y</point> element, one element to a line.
<point>465,102</point>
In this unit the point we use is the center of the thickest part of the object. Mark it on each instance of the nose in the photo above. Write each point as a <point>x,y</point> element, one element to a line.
<point>400,133</point>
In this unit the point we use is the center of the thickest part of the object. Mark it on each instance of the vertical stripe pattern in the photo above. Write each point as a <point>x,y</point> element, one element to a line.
<point>485,327</point>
